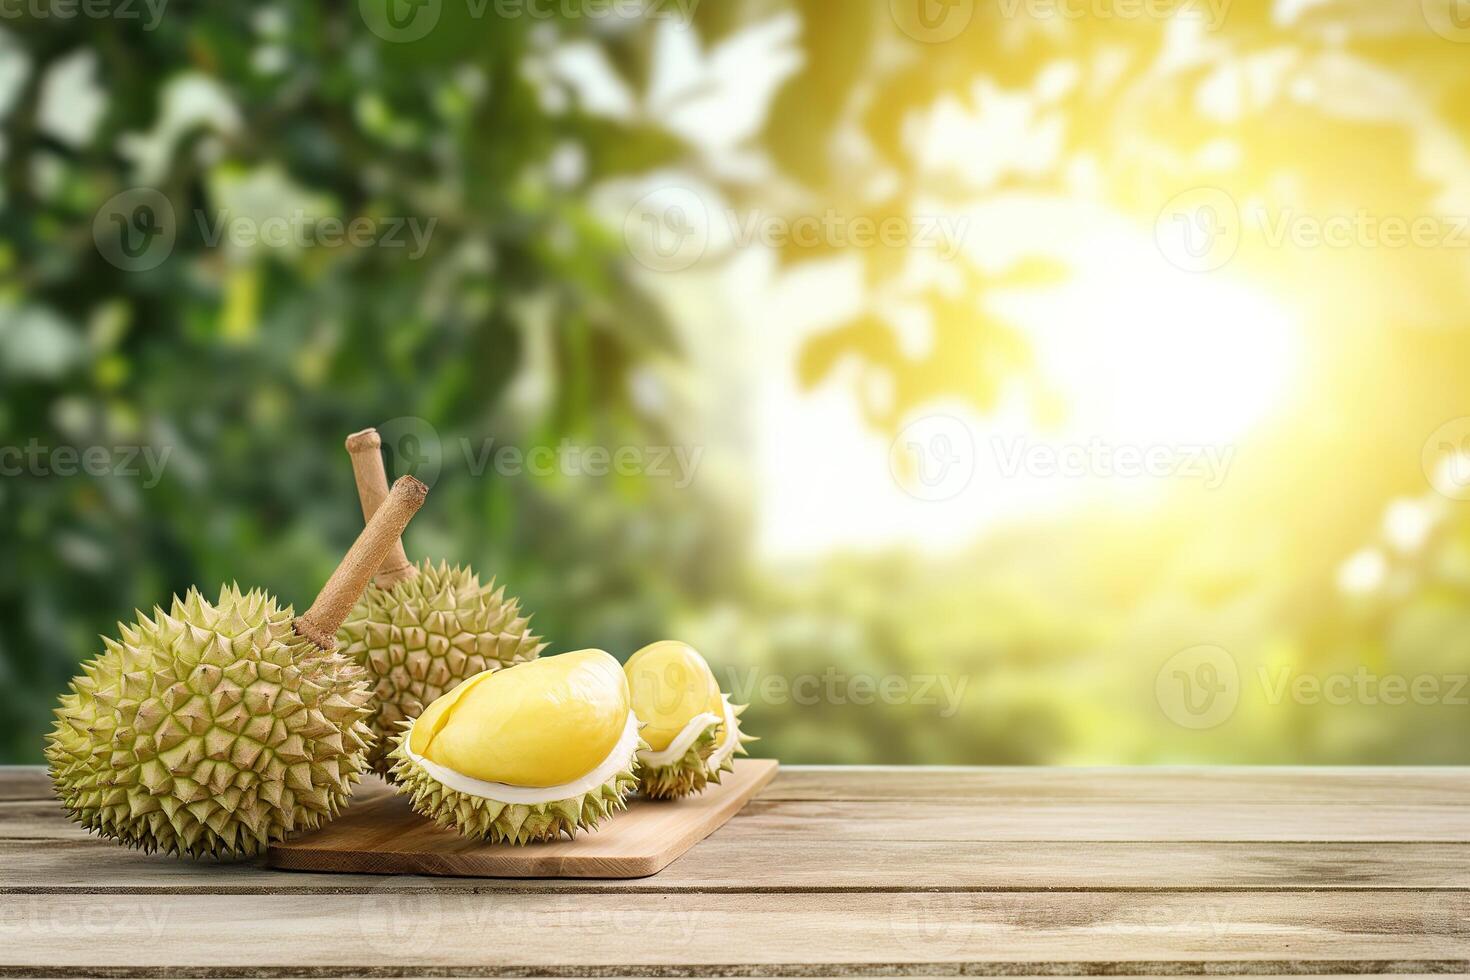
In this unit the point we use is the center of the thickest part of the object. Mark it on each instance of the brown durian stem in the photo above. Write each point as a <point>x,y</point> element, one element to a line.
<point>365,448</point>
<point>345,587</point>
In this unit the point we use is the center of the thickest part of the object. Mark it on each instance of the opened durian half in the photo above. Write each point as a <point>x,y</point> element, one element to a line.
<point>421,629</point>
<point>691,730</point>
<point>216,729</point>
<point>528,753</point>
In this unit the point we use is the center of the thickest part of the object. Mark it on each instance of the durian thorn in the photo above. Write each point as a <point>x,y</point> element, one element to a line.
<point>347,584</point>
<point>365,448</point>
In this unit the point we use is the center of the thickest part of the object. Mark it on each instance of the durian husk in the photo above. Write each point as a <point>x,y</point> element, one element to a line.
<point>694,771</point>
<point>210,730</point>
<point>497,822</point>
<point>419,638</point>
<point>689,774</point>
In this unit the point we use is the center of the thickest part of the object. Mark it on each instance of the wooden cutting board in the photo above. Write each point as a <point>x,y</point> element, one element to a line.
<point>383,836</point>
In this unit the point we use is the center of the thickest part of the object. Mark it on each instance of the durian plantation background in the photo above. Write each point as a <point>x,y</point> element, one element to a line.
<point>183,423</point>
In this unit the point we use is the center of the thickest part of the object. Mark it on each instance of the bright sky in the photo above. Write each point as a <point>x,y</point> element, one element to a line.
<point>1148,358</point>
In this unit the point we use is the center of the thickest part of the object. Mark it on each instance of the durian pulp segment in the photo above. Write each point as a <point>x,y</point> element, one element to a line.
<point>729,737</point>
<point>619,759</point>
<point>670,683</point>
<point>681,742</point>
<point>544,723</point>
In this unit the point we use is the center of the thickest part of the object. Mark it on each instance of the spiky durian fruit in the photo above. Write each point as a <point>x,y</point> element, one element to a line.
<point>420,630</point>
<point>216,729</point>
<point>424,635</point>
<point>524,754</point>
<point>210,729</point>
<point>691,730</point>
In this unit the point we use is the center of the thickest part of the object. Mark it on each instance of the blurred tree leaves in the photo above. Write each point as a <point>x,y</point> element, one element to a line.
<point>237,370</point>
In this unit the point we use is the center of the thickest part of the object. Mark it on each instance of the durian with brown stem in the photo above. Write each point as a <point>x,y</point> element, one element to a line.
<point>691,730</point>
<point>215,729</point>
<point>420,629</point>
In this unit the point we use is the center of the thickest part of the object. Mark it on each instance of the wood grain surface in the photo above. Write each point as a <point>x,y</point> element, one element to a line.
<point>828,873</point>
<point>383,836</point>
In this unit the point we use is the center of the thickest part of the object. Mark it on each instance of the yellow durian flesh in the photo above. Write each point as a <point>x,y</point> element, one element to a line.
<point>544,723</point>
<point>671,684</point>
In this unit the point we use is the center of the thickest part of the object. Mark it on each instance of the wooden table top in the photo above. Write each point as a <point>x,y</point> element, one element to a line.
<point>830,872</point>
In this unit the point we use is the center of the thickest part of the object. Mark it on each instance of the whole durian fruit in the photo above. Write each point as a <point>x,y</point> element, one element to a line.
<point>217,729</point>
<point>524,754</point>
<point>419,630</point>
<point>691,730</point>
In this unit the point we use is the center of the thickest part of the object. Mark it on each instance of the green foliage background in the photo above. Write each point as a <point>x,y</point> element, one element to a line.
<point>527,323</point>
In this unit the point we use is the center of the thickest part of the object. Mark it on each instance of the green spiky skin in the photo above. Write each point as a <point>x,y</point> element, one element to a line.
<point>692,773</point>
<point>423,636</point>
<point>687,775</point>
<point>211,730</point>
<point>507,823</point>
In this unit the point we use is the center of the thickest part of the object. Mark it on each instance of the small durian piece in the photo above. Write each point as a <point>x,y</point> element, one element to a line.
<point>691,730</point>
<point>419,630</point>
<point>217,729</point>
<point>523,754</point>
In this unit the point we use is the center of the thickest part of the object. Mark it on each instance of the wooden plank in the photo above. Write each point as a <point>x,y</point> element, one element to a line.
<point>803,863</point>
<point>384,836</point>
<point>1404,786</point>
<point>972,822</point>
<point>1232,784</point>
<point>981,821</point>
<point>874,932</point>
<point>23,817</point>
<point>24,783</point>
